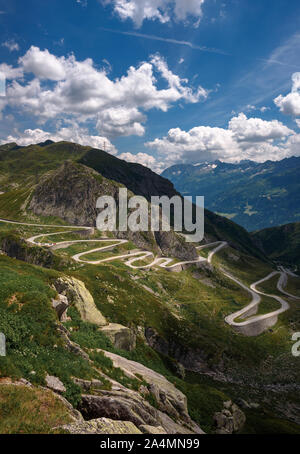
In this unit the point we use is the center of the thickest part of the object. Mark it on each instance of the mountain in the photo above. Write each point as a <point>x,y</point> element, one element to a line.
<point>103,339</point>
<point>281,244</point>
<point>24,169</point>
<point>254,195</point>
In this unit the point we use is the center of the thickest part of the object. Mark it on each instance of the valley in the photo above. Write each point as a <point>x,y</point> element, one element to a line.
<point>213,320</point>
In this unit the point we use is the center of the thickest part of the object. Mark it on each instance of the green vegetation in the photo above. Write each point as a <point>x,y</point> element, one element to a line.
<point>30,410</point>
<point>281,244</point>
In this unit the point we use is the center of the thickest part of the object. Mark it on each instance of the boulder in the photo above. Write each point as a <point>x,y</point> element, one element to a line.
<point>55,384</point>
<point>118,406</point>
<point>121,337</point>
<point>61,304</point>
<point>77,294</point>
<point>88,385</point>
<point>102,426</point>
<point>153,430</point>
<point>170,400</point>
<point>231,419</point>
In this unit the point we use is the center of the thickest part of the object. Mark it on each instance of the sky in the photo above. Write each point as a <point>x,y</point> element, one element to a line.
<point>158,82</point>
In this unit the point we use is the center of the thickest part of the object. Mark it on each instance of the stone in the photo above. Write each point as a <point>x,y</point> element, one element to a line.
<point>88,385</point>
<point>159,430</point>
<point>77,294</point>
<point>102,426</point>
<point>121,337</point>
<point>61,305</point>
<point>231,419</point>
<point>120,407</point>
<point>55,384</point>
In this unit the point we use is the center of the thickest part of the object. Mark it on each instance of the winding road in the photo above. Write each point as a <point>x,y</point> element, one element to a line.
<point>253,326</point>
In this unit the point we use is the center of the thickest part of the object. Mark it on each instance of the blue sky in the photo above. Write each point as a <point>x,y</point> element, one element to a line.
<point>209,79</point>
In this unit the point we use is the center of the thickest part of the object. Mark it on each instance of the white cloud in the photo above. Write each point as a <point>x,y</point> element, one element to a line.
<point>180,61</point>
<point>121,121</point>
<point>162,10</point>
<point>43,64</point>
<point>290,104</point>
<point>245,138</point>
<point>257,130</point>
<point>71,134</point>
<point>63,87</point>
<point>298,123</point>
<point>10,72</point>
<point>11,45</point>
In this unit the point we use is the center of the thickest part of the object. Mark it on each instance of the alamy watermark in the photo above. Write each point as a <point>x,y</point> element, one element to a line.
<point>296,346</point>
<point>162,214</point>
<point>2,345</point>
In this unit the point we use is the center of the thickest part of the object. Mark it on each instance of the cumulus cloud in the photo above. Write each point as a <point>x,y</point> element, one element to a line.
<point>257,130</point>
<point>10,72</point>
<point>11,45</point>
<point>144,159</point>
<point>245,138</point>
<point>69,134</point>
<point>121,121</point>
<point>162,10</point>
<point>63,87</point>
<point>43,64</point>
<point>290,104</point>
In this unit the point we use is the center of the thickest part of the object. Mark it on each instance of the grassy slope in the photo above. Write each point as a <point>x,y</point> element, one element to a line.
<point>281,243</point>
<point>30,410</point>
<point>182,308</point>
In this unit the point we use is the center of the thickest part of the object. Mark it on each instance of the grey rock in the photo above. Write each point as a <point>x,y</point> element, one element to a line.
<point>102,426</point>
<point>55,384</point>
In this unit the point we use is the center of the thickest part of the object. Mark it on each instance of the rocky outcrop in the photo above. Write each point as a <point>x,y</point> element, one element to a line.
<point>126,405</point>
<point>77,294</point>
<point>69,345</point>
<point>193,360</point>
<point>71,193</point>
<point>169,399</point>
<point>230,420</point>
<point>173,245</point>
<point>159,430</point>
<point>121,337</point>
<point>102,426</point>
<point>17,248</point>
<point>55,384</point>
<point>61,304</point>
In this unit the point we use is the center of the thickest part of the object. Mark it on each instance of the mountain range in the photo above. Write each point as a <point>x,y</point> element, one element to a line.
<point>254,195</point>
<point>136,332</point>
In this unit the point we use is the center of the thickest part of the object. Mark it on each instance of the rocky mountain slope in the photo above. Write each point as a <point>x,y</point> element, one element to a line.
<point>252,194</point>
<point>281,244</point>
<point>21,169</point>
<point>130,350</point>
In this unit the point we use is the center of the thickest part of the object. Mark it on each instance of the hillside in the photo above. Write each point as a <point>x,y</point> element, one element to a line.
<point>133,328</point>
<point>281,244</point>
<point>251,194</point>
<point>21,169</point>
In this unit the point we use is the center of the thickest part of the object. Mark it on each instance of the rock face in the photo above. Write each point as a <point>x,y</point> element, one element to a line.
<point>192,360</point>
<point>77,293</point>
<point>102,426</point>
<point>231,419</point>
<point>71,193</point>
<point>175,246</point>
<point>61,305</point>
<point>126,405</point>
<point>170,401</point>
<point>69,345</point>
<point>153,430</point>
<point>55,384</point>
<point>121,337</point>
<point>17,248</point>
